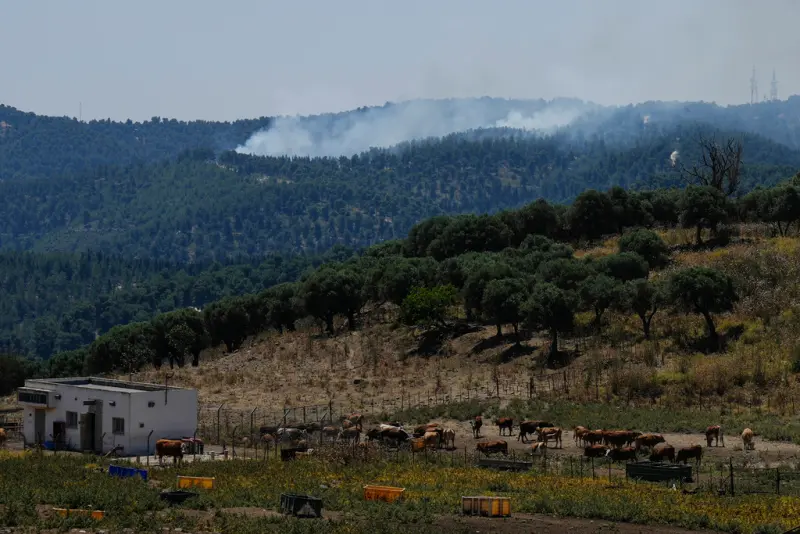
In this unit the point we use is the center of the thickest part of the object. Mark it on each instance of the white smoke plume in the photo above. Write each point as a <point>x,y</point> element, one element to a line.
<point>674,157</point>
<point>357,131</point>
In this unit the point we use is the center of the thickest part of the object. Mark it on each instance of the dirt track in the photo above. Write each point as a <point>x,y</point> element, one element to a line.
<point>766,453</point>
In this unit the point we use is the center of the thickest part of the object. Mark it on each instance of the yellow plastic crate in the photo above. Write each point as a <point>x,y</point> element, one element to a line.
<point>200,482</point>
<point>383,493</point>
<point>66,512</point>
<point>486,506</point>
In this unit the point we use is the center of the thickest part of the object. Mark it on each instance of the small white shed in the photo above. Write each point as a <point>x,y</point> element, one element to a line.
<point>98,414</point>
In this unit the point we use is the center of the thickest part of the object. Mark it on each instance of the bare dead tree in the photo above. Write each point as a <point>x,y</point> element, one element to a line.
<point>720,165</point>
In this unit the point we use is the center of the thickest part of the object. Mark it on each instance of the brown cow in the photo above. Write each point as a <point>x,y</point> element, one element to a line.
<point>553,433</point>
<point>649,441</point>
<point>530,427</point>
<point>687,453</point>
<point>3,437</point>
<point>491,447</point>
<point>476,426</point>
<point>661,452</point>
<point>170,447</point>
<point>449,438</point>
<point>618,438</point>
<point>714,432</point>
<point>420,430</point>
<point>506,423</point>
<point>577,434</point>
<point>594,451</point>
<point>748,440</point>
<point>593,437</point>
<point>431,439</point>
<point>621,454</point>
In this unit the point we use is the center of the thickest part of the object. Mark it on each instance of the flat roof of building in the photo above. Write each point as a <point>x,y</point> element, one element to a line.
<point>101,384</point>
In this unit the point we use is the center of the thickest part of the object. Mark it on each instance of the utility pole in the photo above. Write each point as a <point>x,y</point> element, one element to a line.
<point>167,376</point>
<point>773,87</point>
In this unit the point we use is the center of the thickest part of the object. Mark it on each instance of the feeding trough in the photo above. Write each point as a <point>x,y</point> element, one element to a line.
<point>301,505</point>
<point>177,496</point>
<point>658,471</point>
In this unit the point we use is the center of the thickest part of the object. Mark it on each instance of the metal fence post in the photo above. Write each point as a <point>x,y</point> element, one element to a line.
<point>730,464</point>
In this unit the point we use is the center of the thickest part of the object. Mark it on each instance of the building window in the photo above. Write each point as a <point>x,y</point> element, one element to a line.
<point>32,398</point>
<point>118,425</point>
<point>72,419</point>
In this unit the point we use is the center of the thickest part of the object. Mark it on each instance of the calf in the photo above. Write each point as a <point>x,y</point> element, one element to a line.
<point>449,438</point>
<point>553,433</point>
<point>661,452</point>
<point>476,426</point>
<point>748,441</point>
<point>531,427</point>
<point>505,423</point>
<point>714,432</point>
<point>687,453</point>
<point>492,447</point>
<point>578,433</point>
<point>622,454</point>
<point>594,451</point>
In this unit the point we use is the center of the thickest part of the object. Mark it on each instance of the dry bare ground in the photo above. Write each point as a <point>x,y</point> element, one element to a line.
<point>364,368</point>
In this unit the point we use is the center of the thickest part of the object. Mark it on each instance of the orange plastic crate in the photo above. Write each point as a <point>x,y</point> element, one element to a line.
<point>486,506</point>
<point>66,512</point>
<point>383,493</point>
<point>202,482</point>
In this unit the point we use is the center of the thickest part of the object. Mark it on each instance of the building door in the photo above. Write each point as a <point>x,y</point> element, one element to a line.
<point>97,410</point>
<point>39,426</point>
<point>87,431</point>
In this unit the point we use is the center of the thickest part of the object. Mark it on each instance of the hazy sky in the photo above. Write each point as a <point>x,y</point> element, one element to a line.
<point>203,59</point>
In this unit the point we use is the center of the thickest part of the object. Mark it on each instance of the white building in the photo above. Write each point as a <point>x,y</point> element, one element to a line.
<point>98,414</point>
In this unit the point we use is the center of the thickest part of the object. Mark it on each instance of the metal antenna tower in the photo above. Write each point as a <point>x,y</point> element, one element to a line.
<point>773,87</point>
<point>753,87</point>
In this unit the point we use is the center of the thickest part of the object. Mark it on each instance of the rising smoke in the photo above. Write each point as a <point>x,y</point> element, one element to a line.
<point>354,132</point>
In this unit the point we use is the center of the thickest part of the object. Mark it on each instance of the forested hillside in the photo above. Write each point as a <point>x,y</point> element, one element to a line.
<point>56,302</point>
<point>38,146</point>
<point>198,208</point>
<point>512,268</point>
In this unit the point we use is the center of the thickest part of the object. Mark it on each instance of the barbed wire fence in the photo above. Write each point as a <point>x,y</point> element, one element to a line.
<point>222,424</point>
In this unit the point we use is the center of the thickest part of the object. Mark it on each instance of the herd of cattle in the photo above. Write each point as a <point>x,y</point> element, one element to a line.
<point>616,445</point>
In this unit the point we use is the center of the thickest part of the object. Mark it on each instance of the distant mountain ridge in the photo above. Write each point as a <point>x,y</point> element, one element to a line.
<point>37,146</point>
